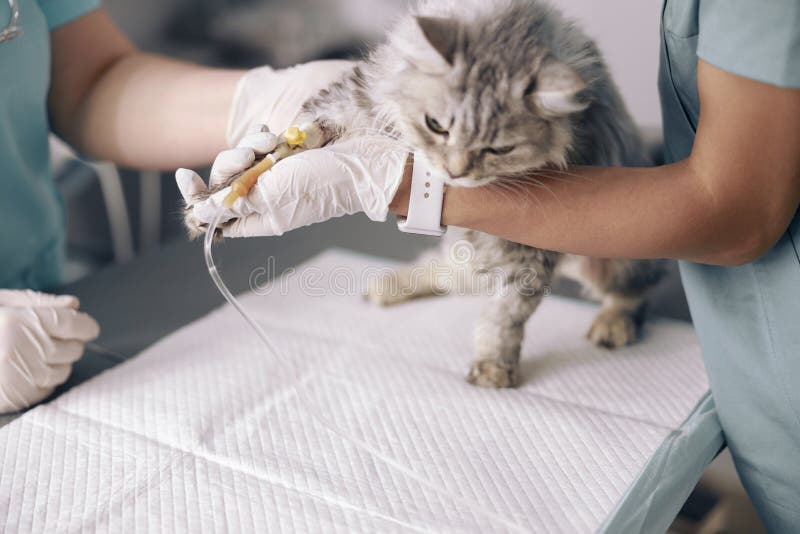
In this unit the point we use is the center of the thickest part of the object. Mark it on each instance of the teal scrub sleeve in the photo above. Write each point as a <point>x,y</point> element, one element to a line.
<point>755,39</point>
<point>59,12</point>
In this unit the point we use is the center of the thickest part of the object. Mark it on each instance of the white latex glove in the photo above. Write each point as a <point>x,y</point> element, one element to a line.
<point>359,174</point>
<point>275,97</point>
<point>40,337</point>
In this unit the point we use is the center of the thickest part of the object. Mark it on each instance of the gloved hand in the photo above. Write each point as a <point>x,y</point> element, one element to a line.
<point>358,174</point>
<point>40,337</point>
<point>275,97</point>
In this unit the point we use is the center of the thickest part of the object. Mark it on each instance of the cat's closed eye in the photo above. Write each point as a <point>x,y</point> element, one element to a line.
<point>434,125</point>
<point>500,150</point>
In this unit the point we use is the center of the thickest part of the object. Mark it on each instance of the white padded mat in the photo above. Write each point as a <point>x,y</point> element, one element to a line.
<point>202,433</point>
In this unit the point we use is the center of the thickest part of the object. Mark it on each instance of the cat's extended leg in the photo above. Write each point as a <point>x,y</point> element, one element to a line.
<point>343,107</point>
<point>499,334</point>
<point>307,136</point>
<point>333,112</point>
<point>436,272</point>
<point>400,285</point>
<point>622,285</point>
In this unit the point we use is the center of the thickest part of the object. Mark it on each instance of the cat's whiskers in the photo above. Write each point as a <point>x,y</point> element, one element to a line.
<point>501,189</point>
<point>512,188</point>
<point>564,172</point>
<point>546,173</point>
<point>537,179</point>
<point>519,185</point>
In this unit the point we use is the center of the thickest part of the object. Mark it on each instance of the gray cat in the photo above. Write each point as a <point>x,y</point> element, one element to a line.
<point>491,91</point>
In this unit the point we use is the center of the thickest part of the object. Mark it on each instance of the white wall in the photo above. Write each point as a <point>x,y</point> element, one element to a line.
<point>627,32</point>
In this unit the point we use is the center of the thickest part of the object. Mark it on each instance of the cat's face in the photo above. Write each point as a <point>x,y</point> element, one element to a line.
<point>477,113</point>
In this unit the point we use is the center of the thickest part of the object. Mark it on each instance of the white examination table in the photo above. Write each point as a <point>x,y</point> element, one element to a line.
<point>201,433</point>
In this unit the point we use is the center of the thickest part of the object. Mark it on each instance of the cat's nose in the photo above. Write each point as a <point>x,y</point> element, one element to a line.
<point>453,175</point>
<point>458,165</point>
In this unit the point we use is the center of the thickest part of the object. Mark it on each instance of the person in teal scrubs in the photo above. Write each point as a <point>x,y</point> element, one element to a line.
<point>725,203</point>
<point>66,68</point>
<point>49,71</point>
<point>747,316</point>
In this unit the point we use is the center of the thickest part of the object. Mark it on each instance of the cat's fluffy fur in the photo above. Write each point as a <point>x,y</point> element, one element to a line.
<point>497,74</point>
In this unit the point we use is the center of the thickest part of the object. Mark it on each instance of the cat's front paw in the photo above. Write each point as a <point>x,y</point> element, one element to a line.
<point>612,330</point>
<point>194,226</point>
<point>197,228</point>
<point>492,374</point>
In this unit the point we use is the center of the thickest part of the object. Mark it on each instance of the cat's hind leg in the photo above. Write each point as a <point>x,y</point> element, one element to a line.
<point>617,324</point>
<point>621,286</point>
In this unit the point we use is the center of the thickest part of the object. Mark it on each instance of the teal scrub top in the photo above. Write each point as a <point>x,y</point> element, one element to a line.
<point>32,229</point>
<point>747,317</point>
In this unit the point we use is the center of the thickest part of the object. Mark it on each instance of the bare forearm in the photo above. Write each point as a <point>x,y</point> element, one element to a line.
<point>621,212</point>
<point>149,111</point>
<point>606,212</point>
<point>115,103</point>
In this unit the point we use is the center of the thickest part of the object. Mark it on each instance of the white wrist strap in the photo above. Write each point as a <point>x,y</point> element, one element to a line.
<point>425,201</point>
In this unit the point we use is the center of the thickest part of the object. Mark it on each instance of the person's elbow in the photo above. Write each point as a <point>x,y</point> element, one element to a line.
<point>750,246</point>
<point>748,234</point>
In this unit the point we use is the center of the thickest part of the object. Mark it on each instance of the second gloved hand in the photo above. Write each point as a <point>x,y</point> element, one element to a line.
<point>354,175</point>
<point>40,337</point>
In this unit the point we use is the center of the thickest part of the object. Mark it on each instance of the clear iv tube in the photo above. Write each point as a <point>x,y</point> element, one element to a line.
<point>315,413</point>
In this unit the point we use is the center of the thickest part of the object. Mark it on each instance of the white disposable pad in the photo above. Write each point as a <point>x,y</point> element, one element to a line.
<point>203,431</point>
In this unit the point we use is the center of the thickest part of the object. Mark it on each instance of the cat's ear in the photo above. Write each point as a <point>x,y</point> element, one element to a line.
<point>556,89</point>
<point>442,34</point>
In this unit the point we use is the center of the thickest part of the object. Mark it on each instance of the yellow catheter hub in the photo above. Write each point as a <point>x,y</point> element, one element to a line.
<point>292,138</point>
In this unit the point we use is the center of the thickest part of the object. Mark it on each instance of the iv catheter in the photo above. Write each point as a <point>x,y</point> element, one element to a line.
<point>294,140</point>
